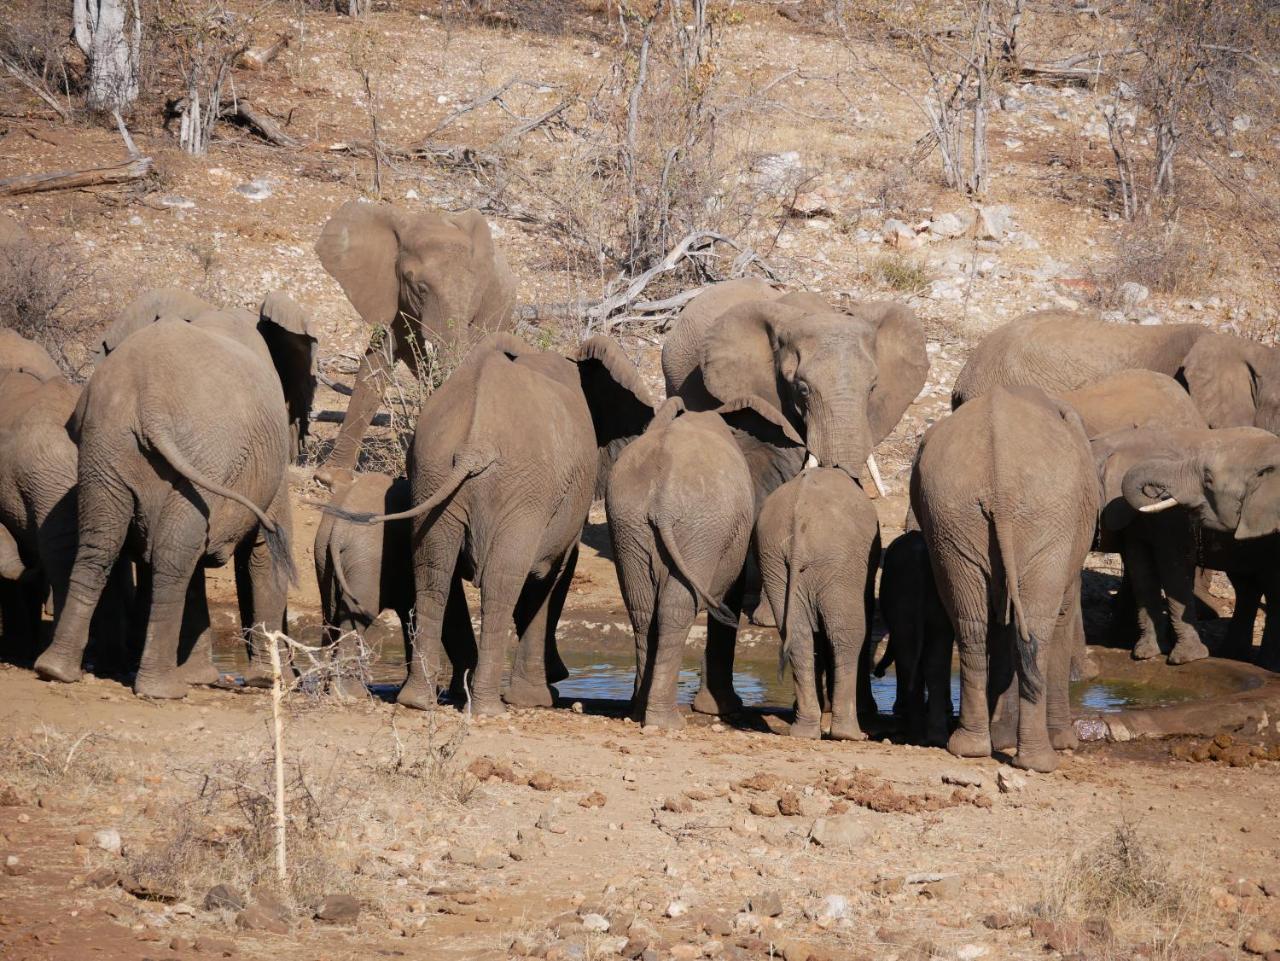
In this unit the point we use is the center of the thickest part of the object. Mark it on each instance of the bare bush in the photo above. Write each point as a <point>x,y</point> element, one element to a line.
<point>41,292</point>
<point>47,757</point>
<point>901,273</point>
<point>34,52</point>
<point>1160,256</point>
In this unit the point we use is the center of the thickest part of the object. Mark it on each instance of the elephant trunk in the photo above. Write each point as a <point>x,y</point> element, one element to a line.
<point>838,435</point>
<point>1150,482</point>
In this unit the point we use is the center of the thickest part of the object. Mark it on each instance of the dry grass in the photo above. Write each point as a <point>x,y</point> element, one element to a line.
<point>901,273</point>
<point>47,757</point>
<point>1160,256</point>
<point>41,287</point>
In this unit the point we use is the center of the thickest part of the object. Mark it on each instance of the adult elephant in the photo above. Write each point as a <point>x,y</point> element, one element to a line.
<point>183,437</point>
<point>281,327</point>
<point>505,462</point>
<point>1235,382</point>
<point>1059,350</point>
<point>422,277</point>
<point>1007,498</point>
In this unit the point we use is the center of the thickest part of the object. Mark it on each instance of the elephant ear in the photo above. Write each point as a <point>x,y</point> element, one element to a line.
<point>360,247</point>
<point>902,364</point>
<point>293,346</point>
<point>472,223</point>
<point>620,404</point>
<point>1222,378</point>
<point>18,353</point>
<point>738,352</point>
<point>149,307</point>
<point>761,419</point>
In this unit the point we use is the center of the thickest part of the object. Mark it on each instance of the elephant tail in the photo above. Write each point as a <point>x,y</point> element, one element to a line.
<point>717,609</point>
<point>1027,643</point>
<point>272,532</point>
<point>467,463</point>
<point>348,596</point>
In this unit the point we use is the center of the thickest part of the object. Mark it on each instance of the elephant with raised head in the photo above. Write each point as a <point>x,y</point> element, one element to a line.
<point>818,544</point>
<point>1007,497</point>
<point>504,465</point>
<point>1059,350</point>
<point>430,280</point>
<point>920,640</point>
<point>281,326</point>
<point>183,439</point>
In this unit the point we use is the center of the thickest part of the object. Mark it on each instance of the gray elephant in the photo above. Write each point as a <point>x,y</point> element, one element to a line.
<point>1222,499</point>
<point>920,640</point>
<point>431,280</point>
<point>18,353</point>
<point>183,439</point>
<point>1007,498</point>
<point>1235,382</point>
<point>818,544</point>
<point>280,325</point>
<point>504,465</point>
<point>680,506</point>
<point>1059,350</point>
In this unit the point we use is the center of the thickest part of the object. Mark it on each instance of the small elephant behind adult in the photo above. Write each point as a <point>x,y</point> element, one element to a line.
<point>680,509</point>
<point>426,280</point>
<point>1059,350</point>
<point>920,639</point>
<point>1007,497</point>
<point>363,570</point>
<point>818,544</point>
<point>183,440</point>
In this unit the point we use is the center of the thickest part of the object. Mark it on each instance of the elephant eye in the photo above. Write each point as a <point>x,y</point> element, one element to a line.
<point>1208,477</point>
<point>802,388</point>
<point>1269,469</point>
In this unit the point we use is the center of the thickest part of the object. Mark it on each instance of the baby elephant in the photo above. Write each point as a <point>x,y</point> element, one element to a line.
<point>818,542</point>
<point>920,639</point>
<point>363,569</point>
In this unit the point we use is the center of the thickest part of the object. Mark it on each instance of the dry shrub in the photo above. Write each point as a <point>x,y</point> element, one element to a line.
<point>48,756</point>
<point>902,273</point>
<point>41,286</point>
<point>33,37</point>
<point>1160,256</point>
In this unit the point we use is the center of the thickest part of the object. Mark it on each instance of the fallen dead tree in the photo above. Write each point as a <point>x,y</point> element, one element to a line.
<point>124,172</point>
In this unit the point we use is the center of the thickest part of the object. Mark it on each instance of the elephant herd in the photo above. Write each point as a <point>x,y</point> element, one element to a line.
<point>1067,434</point>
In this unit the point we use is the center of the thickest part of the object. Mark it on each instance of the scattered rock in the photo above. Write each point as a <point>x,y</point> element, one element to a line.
<point>950,225</point>
<point>899,235</point>
<point>1261,942</point>
<point>789,804</point>
<point>713,924</point>
<point>14,866</point>
<point>596,923</point>
<point>760,781</point>
<point>216,947</point>
<point>1000,920</point>
<point>547,822</point>
<point>222,897</point>
<point>542,781</point>
<point>257,918</point>
<point>840,831</point>
<point>108,840</point>
<point>767,904</point>
<point>676,908</point>
<point>883,887</point>
<point>1010,781</point>
<point>993,221</point>
<point>9,797</point>
<point>257,189</point>
<point>766,807</point>
<point>677,805</point>
<point>943,890</point>
<point>593,800</point>
<point>101,878</point>
<point>338,909</point>
<point>962,779</point>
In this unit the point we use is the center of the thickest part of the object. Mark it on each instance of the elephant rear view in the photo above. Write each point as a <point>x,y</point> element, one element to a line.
<point>1007,497</point>
<point>1058,350</point>
<point>680,509</point>
<point>184,437</point>
<point>818,541</point>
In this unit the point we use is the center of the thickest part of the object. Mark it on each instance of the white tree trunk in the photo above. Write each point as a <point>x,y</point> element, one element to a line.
<point>109,32</point>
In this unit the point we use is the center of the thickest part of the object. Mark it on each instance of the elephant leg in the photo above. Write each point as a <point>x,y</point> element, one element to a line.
<point>459,640</point>
<point>1141,570</point>
<point>973,737</point>
<point>1123,630</point>
<point>262,599</point>
<point>675,614</point>
<point>1248,591</point>
<point>864,698</point>
<point>195,651</point>
<point>1035,752</point>
<point>1068,638</point>
<point>366,397</point>
<point>800,652</point>
<point>537,615</point>
<point>101,540</point>
<point>1208,606</point>
<point>434,572</point>
<point>500,591</point>
<point>1002,689</point>
<point>348,676</point>
<point>176,548</point>
<point>644,628</point>
<point>1177,574</point>
<point>716,694</point>
<point>115,647</point>
<point>848,658</point>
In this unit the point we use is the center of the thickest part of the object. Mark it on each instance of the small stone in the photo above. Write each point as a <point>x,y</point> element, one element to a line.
<point>789,804</point>
<point>962,779</point>
<point>767,904</point>
<point>338,909</point>
<point>839,831</point>
<point>764,807</point>
<point>885,886</point>
<point>999,920</point>
<point>677,805</point>
<point>216,947</point>
<point>593,800</point>
<point>597,923</point>
<point>943,890</point>
<point>993,221</point>
<point>635,946</point>
<point>101,878</point>
<point>1244,888</point>
<point>577,707</point>
<point>1010,781</point>
<point>676,908</point>
<point>108,840</point>
<point>179,943</point>
<point>13,866</point>
<point>685,952</point>
<point>971,952</point>
<point>256,918</point>
<point>1261,942</point>
<point>222,897</point>
<point>541,781</point>
<point>714,925</point>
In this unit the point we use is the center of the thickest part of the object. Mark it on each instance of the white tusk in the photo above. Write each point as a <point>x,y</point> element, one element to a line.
<point>875,475</point>
<point>810,461</point>
<point>1159,506</point>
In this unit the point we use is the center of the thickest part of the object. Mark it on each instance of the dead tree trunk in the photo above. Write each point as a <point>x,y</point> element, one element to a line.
<point>109,32</point>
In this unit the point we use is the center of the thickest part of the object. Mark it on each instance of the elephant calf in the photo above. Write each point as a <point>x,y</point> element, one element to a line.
<point>1007,499</point>
<point>920,639</point>
<point>363,569</point>
<point>818,543</point>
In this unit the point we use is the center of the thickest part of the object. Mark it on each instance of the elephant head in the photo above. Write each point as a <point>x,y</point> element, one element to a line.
<point>1230,483</point>
<point>18,353</point>
<point>842,379</point>
<point>281,327</point>
<point>1234,382</point>
<point>438,269</point>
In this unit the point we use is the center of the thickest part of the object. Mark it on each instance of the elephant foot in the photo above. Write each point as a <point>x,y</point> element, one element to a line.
<point>54,667</point>
<point>966,744</point>
<point>811,730</point>
<point>846,729</point>
<point>165,686</point>
<point>200,672</point>
<point>671,720</point>
<point>522,692</point>
<point>488,707</point>
<point>1063,738</point>
<point>935,736</point>
<point>722,704</point>
<point>257,675</point>
<point>347,688</point>
<point>1041,759</point>
<point>418,695</point>
<point>1186,651</point>
<point>1146,648</point>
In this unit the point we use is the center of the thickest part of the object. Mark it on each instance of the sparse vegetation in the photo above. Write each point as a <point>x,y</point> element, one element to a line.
<point>1160,256</point>
<point>42,292</point>
<point>901,273</point>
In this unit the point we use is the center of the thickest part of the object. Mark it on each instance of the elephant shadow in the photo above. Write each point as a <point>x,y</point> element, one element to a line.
<point>596,537</point>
